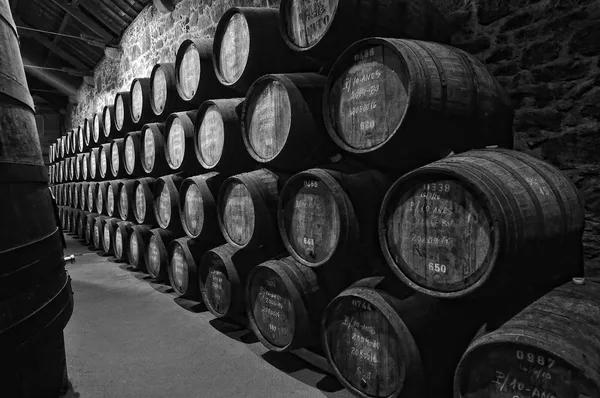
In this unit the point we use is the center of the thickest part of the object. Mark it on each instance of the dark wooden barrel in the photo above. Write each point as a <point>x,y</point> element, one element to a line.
<point>195,76</point>
<point>222,272</point>
<point>198,206</point>
<point>61,171</point>
<point>164,98</point>
<point>140,106</point>
<point>166,202</point>
<point>324,29</point>
<point>102,196</point>
<point>74,221</point>
<point>218,139</point>
<point>282,124</point>
<point>112,198</point>
<point>407,345</point>
<point>381,91</point>
<point>137,253</point>
<point>126,195</point>
<point>80,138</point>
<point>85,161</point>
<point>92,196</point>
<point>77,167</point>
<point>98,135</point>
<point>248,45</point>
<point>83,195</point>
<point>184,260</point>
<point>154,161</point>
<point>480,222</point>
<point>72,161</point>
<point>121,240</point>
<point>105,158</point>
<point>99,232</point>
<point>550,349</point>
<point>117,158</point>
<point>179,142</point>
<point>94,165</point>
<point>75,196</point>
<point>81,224</point>
<point>143,203</point>
<point>87,134</point>
<point>67,219</point>
<point>108,244</point>
<point>108,120</point>
<point>158,254</point>
<point>123,121</point>
<point>133,159</point>
<point>89,227</point>
<point>61,147</point>
<point>247,209</point>
<point>68,140</point>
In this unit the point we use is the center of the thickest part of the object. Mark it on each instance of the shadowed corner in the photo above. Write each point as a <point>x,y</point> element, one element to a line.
<point>234,330</point>
<point>190,305</point>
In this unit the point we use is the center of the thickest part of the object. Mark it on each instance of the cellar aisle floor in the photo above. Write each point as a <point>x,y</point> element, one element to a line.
<point>132,338</point>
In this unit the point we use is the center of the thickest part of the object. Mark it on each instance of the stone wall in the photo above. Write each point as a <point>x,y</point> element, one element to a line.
<point>545,53</point>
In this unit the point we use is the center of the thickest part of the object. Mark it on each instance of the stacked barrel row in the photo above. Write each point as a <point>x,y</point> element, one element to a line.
<point>308,189</point>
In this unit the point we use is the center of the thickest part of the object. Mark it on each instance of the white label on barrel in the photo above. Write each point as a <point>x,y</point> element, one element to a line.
<point>178,264</point>
<point>235,47</point>
<point>96,129</point>
<point>107,122</point>
<point>119,112</point>
<point>137,101</point>
<point>149,150</point>
<point>189,72</point>
<point>129,154</point>
<point>115,159</point>
<point>140,203</point>
<point>124,208</point>
<point>103,161</point>
<point>308,21</point>
<point>118,243</point>
<point>110,201</point>
<point>133,248</point>
<point>164,207</point>
<point>176,144</point>
<point>159,90</point>
<point>193,210</point>
<point>106,237</point>
<point>211,136</point>
<point>154,254</point>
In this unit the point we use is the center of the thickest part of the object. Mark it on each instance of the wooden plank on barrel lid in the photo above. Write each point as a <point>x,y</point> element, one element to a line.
<point>211,136</point>
<point>235,48</point>
<point>137,101</point>
<point>189,72</point>
<point>238,213</point>
<point>307,21</point>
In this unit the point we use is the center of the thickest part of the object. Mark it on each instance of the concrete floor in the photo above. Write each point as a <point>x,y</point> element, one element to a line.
<point>132,338</point>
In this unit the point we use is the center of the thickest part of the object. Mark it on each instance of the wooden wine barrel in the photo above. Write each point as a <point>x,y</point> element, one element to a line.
<point>154,161</point>
<point>330,214</point>
<point>68,219</point>
<point>77,167</point>
<point>73,222</point>
<point>105,159</point>
<point>68,195</point>
<point>83,195</point>
<point>117,158</point>
<point>126,195</point>
<point>198,206</point>
<point>94,166</point>
<point>132,154</point>
<point>89,227</point>
<point>550,349</point>
<point>72,161</point>
<point>81,224</point>
<point>140,106</point>
<point>248,45</point>
<point>477,222</point>
<point>68,140</point>
<point>143,203</point>
<point>166,202</point>
<point>164,98</point>
<point>51,153</point>
<point>85,161</point>
<point>102,197</point>
<point>92,196</point>
<point>99,232</point>
<point>247,209</point>
<point>184,260</point>
<point>379,345</point>
<point>179,140</point>
<point>218,139</point>
<point>380,92</point>
<point>87,134</point>
<point>61,147</point>
<point>123,120</point>
<point>112,198</point>
<point>158,255</point>
<point>80,138</point>
<point>75,196</point>
<point>108,120</point>
<point>108,241</point>
<point>137,253</point>
<point>121,240</point>
<point>282,124</point>
<point>61,171</point>
<point>195,76</point>
<point>222,278</point>
<point>98,134</point>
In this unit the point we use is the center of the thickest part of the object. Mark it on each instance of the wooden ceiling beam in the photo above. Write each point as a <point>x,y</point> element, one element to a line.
<point>79,15</point>
<point>61,29</point>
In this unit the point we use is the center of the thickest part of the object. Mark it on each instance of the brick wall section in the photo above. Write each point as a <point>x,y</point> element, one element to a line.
<point>544,52</point>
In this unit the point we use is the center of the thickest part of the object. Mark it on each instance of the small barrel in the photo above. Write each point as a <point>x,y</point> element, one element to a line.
<point>90,220</point>
<point>126,195</point>
<point>61,147</point>
<point>108,236</point>
<point>112,198</point>
<point>218,139</point>
<point>379,345</point>
<point>382,103</point>
<point>195,76</point>
<point>140,106</point>
<point>66,224</point>
<point>87,134</point>
<point>179,139</point>
<point>164,98</point>
<point>324,29</point>
<point>143,204</point>
<point>133,160</point>
<point>108,119</point>
<point>80,138</point>
<point>81,224</point>
<point>480,222</point>
<point>121,240</point>
<point>222,274</point>
<point>105,158</point>
<point>76,193</point>
<point>247,209</point>
<point>102,196</point>
<point>198,206</point>
<point>154,161</point>
<point>83,195</point>
<point>85,161</point>
<point>330,214</point>
<point>158,255</point>
<point>98,136</point>
<point>282,124</point>
<point>137,254</point>
<point>92,196</point>
<point>550,349</point>
<point>117,158</point>
<point>68,140</point>
<point>99,232</point>
<point>166,202</point>
<point>185,256</point>
<point>94,166</point>
<point>78,160</point>
<point>72,168</point>
<point>74,221</point>
<point>123,120</point>
<point>248,45</point>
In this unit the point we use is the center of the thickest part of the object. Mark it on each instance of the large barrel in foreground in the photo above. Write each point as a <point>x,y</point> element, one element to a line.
<point>550,349</point>
<point>480,222</point>
<point>404,103</point>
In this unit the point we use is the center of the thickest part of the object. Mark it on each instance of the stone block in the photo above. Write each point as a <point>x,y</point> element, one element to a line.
<point>566,69</point>
<point>540,53</point>
<point>489,11</point>
<point>591,104</point>
<point>517,21</point>
<point>586,41</point>
<point>476,45</point>
<point>545,119</point>
<point>500,53</point>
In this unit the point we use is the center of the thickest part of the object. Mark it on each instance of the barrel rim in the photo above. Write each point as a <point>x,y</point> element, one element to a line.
<point>137,80</point>
<point>207,198</point>
<point>134,136</point>
<point>339,66</point>
<point>126,101</point>
<point>187,255</point>
<point>207,48</point>
<point>202,109</point>
<point>111,112</point>
<point>119,144</point>
<point>217,41</point>
<point>186,121</point>
<point>162,251</point>
<point>164,66</point>
<point>139,230</point>
<point>148,192</point>
<point>203,271</point>
<point>158,131</point>
<point>161,182</point>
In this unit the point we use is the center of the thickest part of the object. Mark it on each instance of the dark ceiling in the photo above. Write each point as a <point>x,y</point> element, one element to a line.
<point>101,22</point>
